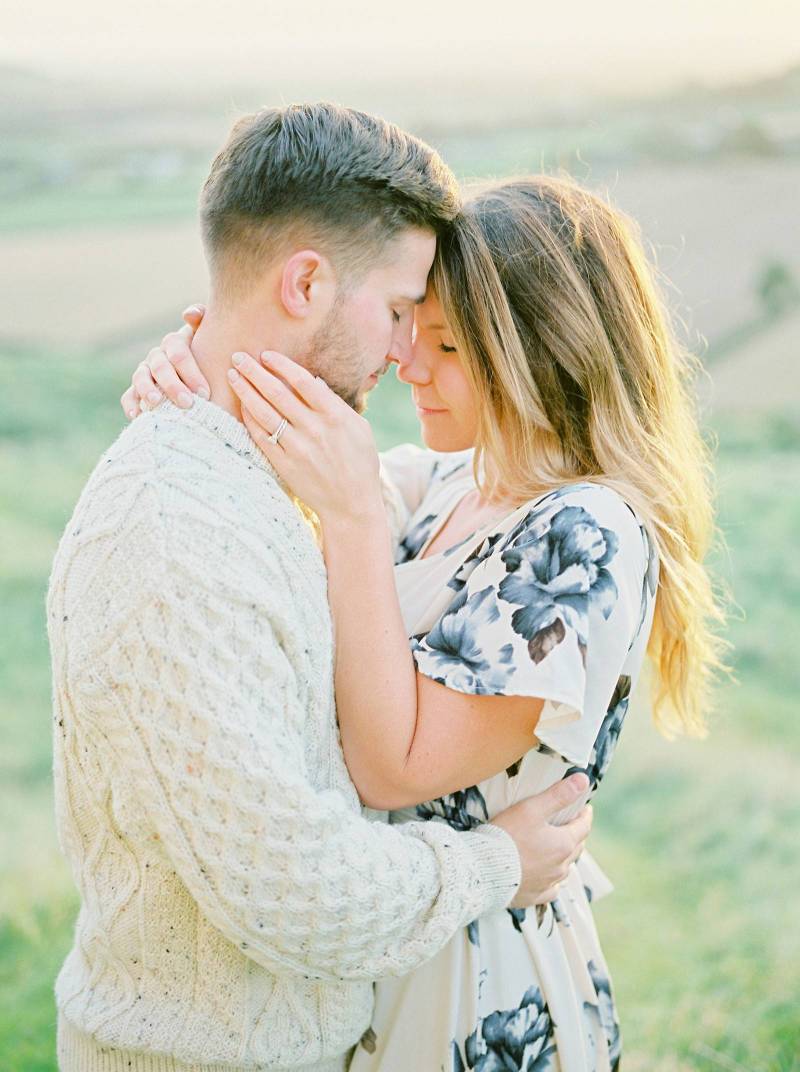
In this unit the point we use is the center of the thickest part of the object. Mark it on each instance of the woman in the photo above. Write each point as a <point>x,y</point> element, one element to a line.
<point>553,541</point>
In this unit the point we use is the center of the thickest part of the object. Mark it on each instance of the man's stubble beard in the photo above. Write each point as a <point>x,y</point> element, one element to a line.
<point>333,354</point>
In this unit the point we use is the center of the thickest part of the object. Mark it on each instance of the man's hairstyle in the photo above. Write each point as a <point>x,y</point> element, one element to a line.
<point>320,173</point>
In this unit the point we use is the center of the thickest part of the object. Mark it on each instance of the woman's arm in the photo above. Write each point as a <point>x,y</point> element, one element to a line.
<point>406,738</point>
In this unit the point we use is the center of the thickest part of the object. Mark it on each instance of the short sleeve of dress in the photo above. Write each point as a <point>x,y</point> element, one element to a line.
<point>407,474</point>
<point>550,610</point>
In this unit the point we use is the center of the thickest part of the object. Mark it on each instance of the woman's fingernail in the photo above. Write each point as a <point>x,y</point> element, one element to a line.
<point>204,393</point>
<point>131,413</point>
<point>238,358</point>
<point>233,375</point>
<point>185,400</point>
<point>265,357</point>
<point>153,397</point>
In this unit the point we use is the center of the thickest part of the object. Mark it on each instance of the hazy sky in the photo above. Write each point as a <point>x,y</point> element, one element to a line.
<point>619,44</point>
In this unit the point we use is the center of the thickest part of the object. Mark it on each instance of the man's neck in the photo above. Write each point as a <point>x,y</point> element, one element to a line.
<point>216,340</point>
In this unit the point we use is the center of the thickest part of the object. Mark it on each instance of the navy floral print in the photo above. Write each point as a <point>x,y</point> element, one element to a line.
<point>463,810</point>
<point>512,1039</point>
<point>555,574</point>
<point>415,539</point>
<point>460,577</point>
<point>454,646</point>
<point>607,1013</point>
<point>606,741</point>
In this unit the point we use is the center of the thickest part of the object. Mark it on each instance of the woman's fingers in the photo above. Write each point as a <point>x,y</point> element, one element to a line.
<point>273,452</point>
<point>165,377</point>
<point>194,315</point>
<point>177,347</point>
<point>130,403</point>
<point>275,391</point>
<point>144,385</point>
<point>310,388</point>
<point>265,416</point>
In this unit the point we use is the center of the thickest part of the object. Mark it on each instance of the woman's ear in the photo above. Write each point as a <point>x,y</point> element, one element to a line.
<point>307,284</point>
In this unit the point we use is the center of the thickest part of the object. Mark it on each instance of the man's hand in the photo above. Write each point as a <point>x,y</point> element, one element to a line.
<point>547,852</point>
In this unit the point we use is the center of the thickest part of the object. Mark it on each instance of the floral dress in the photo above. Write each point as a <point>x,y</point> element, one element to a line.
<point>556,602</point>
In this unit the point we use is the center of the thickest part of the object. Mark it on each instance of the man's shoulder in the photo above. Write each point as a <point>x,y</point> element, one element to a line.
<point>175,469</point>
<point>170,507</point>
<point>167,485</point>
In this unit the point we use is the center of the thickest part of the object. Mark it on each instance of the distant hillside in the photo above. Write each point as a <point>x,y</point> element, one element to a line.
<point>763,375</point>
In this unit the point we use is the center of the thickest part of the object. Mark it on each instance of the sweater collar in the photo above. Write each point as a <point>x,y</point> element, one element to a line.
<point>222,424</point>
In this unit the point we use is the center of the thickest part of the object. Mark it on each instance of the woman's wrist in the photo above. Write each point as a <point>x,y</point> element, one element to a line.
<point>356,535</point>
<point>355,514</point>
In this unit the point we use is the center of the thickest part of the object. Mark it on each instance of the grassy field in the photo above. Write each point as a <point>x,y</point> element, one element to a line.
<point>699,837</point>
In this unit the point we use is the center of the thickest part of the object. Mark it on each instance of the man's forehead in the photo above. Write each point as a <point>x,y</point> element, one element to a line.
<point>413,246</point>
<point>404,266</point>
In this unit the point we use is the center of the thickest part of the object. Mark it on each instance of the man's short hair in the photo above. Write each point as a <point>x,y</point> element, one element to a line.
<point>343,179</point>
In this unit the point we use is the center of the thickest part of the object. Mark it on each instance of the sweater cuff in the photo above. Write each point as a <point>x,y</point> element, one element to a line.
<point>498,866</point>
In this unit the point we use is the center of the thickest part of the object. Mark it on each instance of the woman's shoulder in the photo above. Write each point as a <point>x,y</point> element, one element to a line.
<point>583,506</point>
<point>586,531</point>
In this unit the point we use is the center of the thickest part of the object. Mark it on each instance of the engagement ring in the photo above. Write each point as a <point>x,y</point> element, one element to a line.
<point>276,435</point>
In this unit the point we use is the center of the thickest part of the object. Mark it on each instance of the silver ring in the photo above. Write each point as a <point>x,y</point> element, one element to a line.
<point>276,435</point>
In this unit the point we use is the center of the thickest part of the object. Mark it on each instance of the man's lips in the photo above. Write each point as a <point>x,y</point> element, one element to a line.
<point>378,373</point>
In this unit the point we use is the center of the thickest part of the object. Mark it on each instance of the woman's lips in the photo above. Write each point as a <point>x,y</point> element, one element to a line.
<point>426,411</point>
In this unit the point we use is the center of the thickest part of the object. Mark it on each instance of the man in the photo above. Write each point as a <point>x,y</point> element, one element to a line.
<point>235,905</point>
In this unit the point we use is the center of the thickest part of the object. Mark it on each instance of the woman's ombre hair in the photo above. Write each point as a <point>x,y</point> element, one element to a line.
<point>567,343</point>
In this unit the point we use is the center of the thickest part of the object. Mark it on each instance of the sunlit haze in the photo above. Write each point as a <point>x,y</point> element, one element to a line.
<point>623,45</point>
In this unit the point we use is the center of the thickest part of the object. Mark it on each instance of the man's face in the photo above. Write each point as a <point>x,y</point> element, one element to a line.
<point>372,323</point>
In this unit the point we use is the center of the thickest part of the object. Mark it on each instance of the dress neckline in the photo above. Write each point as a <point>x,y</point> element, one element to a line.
<point>494,525</point>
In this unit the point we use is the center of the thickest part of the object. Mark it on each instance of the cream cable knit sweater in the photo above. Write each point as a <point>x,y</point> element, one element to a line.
<point>235,905</point>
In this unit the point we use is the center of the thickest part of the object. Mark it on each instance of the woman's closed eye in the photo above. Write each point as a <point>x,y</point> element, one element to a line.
<point>447,349</point>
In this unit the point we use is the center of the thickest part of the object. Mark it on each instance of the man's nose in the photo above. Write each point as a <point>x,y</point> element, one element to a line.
<point>400,349</point>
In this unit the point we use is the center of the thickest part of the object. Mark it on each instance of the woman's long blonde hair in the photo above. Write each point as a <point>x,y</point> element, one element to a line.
<point>568,345</point>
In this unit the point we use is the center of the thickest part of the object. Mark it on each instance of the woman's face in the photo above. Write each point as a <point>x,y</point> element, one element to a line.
<point>446,405</point>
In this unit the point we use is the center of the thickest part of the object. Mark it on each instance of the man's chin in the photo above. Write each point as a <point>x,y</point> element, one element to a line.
<point>367,387</point>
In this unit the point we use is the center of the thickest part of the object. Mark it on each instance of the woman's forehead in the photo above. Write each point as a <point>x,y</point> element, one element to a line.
<point>429,314</point>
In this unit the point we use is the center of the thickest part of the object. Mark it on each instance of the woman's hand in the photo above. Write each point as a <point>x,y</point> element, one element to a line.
<point>169,369</point>
<point>325,452</point>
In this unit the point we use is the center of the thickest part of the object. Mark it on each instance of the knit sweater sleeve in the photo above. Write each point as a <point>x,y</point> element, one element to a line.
<point>201,699</point>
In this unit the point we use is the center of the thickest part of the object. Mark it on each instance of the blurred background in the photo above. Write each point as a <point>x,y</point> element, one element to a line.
<point>687,117</point>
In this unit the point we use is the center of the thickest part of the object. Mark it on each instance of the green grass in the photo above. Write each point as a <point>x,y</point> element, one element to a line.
<point>698,837</point>
<point>65,209</point>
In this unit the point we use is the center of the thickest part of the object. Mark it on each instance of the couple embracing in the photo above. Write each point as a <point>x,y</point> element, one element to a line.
<point>327,722</point>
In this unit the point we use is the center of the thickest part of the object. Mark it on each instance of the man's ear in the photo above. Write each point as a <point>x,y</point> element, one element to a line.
<point>307,284</point>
